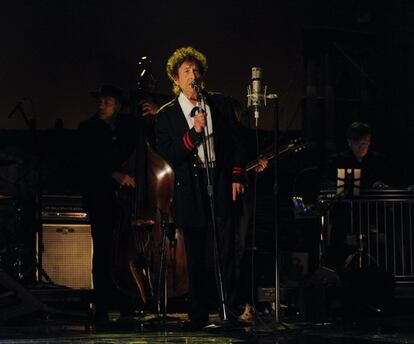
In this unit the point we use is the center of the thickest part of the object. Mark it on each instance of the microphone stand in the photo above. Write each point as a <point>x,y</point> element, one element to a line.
<point>210,192</point>
<point>276,195</point>
<point>31,124</point>
<point>275,186</point>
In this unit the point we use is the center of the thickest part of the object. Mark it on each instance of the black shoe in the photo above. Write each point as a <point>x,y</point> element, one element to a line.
<point>192,325</point>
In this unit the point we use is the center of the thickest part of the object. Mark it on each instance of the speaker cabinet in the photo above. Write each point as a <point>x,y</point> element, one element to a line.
<point>66,255</point>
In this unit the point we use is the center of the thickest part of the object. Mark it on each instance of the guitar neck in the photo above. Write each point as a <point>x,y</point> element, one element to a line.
<point>268,156</point>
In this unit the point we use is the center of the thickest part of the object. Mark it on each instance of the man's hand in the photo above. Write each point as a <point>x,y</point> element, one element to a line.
<point>237,189</point>
<point>123,179</point>
<point>262,165</point>
<point>149,108</point>
<point>200,121</point>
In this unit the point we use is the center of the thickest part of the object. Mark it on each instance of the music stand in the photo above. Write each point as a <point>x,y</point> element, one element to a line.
<point>348,182</point>
<point>349,186</point>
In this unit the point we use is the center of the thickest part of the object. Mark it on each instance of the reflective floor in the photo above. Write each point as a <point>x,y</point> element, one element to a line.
<point>75,328</point>
<point>65,318</point>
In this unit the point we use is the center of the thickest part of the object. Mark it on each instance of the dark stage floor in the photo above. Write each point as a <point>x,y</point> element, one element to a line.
<point>74,327</point>
<point>65,317</point>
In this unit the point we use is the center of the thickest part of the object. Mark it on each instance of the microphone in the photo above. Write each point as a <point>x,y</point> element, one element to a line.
<point>17,107</point>
<point>194,111</point>
<point>257,75</point>
<point>255,92</point>
<point>196,85</point>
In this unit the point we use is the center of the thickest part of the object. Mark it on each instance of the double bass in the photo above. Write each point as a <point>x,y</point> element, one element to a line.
<point>148,251</point>
<point>169,260</point>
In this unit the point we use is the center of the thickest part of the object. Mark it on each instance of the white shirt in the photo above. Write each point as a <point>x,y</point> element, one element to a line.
<point>187,107</point>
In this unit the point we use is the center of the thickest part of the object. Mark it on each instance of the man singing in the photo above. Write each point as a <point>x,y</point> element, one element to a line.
<point>180,127</point>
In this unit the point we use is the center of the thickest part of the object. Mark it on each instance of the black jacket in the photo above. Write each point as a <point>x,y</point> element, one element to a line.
<point>178,145</point>
<point>104,150</point>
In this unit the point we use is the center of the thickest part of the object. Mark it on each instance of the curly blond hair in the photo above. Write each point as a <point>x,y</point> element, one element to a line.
<point>180,56</point>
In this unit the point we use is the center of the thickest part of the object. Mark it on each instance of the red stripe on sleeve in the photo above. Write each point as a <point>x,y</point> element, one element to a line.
<point>185,140</point>
<point>189,141</point>
<point>238,170</point>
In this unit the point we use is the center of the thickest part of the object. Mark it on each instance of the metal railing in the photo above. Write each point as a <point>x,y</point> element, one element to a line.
<point>377,224</point>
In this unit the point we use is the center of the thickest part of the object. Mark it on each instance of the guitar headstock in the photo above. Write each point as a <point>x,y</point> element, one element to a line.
<point>297,145</point>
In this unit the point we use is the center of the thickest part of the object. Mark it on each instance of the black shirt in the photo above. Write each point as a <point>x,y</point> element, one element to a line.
<point>373,168</point>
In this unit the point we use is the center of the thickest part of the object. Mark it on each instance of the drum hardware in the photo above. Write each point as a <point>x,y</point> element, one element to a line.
<point>11,260</point>
<point>11,252</point>
<point>31,194</point>
<point>17,250</point>
<point>360,253</point>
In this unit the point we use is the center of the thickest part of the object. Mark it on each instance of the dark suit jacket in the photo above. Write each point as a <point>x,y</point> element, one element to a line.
<point>104,150</point>
<point>178,145</point>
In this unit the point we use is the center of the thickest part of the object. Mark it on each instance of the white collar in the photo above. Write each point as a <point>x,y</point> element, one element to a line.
<point>185,104</point>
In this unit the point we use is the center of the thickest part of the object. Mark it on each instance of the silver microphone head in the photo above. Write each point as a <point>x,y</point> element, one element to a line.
<point>257,73</point>
<point>196,84</point>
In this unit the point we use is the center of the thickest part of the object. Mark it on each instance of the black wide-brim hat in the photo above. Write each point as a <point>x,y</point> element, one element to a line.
<point>109,91</point>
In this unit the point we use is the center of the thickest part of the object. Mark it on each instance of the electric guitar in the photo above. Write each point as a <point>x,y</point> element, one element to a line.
<point>295,146</point>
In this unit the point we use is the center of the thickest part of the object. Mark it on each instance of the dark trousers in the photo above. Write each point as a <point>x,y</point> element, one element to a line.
<point>104,214</point>
<point>197,246</point>
<point>195,239</point>
<point>103,218</point>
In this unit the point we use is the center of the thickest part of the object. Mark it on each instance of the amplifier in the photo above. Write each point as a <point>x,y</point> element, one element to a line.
<point>63,208</point>
<point>66,255</point>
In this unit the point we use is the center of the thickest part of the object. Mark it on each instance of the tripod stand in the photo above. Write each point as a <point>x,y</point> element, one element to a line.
<point>360,252</point>
<point>31,201</point>
<point>167,228</point>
